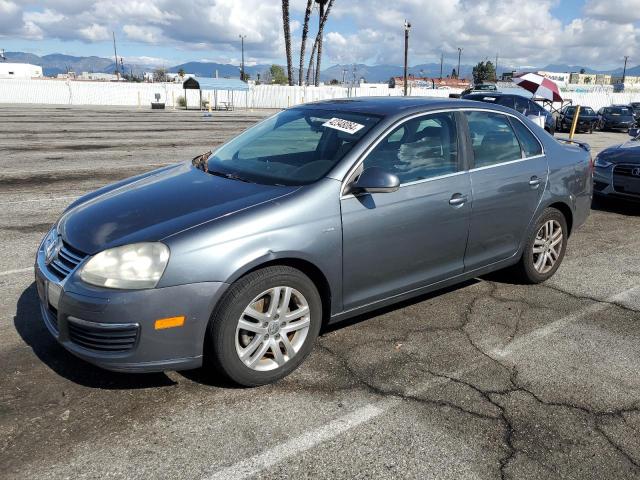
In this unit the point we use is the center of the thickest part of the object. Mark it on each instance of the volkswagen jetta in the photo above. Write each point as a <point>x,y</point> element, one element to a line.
<point>317,214</point>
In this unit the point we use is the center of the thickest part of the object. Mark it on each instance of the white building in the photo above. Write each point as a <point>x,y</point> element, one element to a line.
<point>19,70</point>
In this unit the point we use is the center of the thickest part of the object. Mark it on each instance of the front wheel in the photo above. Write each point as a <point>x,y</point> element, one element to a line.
<point>545,248</point>
<point>265,326</point>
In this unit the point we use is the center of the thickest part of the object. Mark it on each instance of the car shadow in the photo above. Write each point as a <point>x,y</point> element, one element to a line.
<point>396,306</point>
<point>29,325</point>
<point>616,205</point>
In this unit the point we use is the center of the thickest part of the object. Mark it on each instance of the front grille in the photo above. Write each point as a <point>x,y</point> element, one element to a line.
<point>624,181</point>
<point>102,337</point>
<point>65,261</point>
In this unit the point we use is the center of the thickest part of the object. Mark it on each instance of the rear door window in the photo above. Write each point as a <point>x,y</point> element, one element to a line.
<point>528,140</point>
<point>492,139</point>
<point>522,105</point>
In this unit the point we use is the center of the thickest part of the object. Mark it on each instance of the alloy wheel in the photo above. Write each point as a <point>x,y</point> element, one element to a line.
<point>272,328</point>
<point>547,246</point>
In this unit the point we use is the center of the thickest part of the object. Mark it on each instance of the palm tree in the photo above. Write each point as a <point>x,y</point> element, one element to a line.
<point>303,44</point>
<point>287,38</point>
<point>316,44</point>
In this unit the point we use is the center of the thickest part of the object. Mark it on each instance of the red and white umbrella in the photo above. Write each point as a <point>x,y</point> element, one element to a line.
<point>539,86</point>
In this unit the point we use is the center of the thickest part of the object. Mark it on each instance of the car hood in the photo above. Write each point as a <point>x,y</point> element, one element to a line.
<point>628,152</point>
<point>156,206</point>
<point>582,116</point>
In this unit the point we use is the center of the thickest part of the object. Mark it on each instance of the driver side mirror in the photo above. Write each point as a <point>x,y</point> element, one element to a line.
<point>375,180</point>
<point>634,132</point>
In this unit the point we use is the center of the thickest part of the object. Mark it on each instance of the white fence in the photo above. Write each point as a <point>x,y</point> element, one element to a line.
<point>60,92</point>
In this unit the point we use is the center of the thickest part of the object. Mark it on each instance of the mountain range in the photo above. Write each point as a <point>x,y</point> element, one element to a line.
<point>56,63</point>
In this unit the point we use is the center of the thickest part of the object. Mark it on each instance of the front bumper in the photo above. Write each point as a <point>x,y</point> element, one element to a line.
<point>115,329</point>
<point>604,185</point>
<point>613,125</point>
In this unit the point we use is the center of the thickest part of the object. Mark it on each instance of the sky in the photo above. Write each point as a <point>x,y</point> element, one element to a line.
<point>594,33</point>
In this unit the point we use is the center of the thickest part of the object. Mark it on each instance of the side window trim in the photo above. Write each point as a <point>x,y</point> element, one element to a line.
<point>463,138</point>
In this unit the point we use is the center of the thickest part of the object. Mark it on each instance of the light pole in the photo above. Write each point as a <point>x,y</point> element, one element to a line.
<point>624,70</point>
<point>407,27</point>
<point>459,55</point>
<point>242,37</point>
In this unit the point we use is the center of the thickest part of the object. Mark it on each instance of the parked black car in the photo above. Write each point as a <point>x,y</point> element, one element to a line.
<point>481,87</point>
<point>587,119</point>
<point>517,102</point>
<point>616,117</point>
<point>635,107</point>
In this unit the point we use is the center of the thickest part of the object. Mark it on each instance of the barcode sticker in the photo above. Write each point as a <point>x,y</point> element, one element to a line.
<point>343,125</point>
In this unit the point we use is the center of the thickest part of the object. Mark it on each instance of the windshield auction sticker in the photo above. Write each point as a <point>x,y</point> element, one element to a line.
<point>343,125</point>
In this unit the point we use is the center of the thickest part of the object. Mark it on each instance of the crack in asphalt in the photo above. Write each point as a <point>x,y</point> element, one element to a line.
<point>589,298</point>
<point>492,396</point>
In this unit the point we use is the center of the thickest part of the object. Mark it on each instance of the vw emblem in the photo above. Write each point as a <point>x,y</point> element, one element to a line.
<point>636,172</point>
<point>51,248</point>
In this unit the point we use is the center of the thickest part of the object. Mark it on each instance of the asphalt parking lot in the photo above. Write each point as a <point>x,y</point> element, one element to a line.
<point>487,380</point>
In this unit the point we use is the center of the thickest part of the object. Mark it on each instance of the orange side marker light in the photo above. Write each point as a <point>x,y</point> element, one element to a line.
<point>170,322</point>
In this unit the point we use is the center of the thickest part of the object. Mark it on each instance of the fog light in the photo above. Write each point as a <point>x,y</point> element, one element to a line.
<point>170,322</point>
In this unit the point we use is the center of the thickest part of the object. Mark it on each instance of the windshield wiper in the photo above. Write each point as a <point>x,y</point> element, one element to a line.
<point>230,176</point>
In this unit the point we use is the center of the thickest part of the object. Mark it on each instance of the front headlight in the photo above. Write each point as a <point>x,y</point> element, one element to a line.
<point>600,163</point>
<point>135,266</point>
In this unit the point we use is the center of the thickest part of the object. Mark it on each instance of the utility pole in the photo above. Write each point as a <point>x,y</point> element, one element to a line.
<point>624,70</point>
<point>242,37</point>
<point>459,55</point>
<point>441,64</point>
<point>496,67</point>
<point>115,54</point>
<point>407,27</point>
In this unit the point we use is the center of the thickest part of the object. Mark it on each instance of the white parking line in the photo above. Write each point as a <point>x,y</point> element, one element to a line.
<point>309,439</point>
<point>17,270</point>
<point>543,332</point>
<point>302,443</point>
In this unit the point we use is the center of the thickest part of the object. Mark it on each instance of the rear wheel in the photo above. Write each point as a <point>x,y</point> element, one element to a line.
<point>545,248</point>
<point>265,326</point>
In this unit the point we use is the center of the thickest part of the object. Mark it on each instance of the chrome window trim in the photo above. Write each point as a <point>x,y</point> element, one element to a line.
<point>408,118</point>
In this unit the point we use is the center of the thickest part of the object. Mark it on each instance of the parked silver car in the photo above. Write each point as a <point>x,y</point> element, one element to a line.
<point>317,214</point>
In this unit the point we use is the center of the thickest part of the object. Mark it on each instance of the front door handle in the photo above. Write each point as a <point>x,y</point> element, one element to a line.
<point>457,200</point>
<point>534,182</point>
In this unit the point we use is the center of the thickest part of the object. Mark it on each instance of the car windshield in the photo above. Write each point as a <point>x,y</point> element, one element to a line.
<point>618,111</point>
<point>583,110</point>
<point>484,86</point>
<point>294,147</point>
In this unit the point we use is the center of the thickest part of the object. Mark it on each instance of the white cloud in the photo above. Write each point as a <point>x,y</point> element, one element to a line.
<point>94,33</point>
<point>615,11</point>
<point>142,34</point>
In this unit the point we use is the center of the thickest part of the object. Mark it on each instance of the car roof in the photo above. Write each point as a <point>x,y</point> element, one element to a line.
<point>390,106</point>
<point>489,93</point>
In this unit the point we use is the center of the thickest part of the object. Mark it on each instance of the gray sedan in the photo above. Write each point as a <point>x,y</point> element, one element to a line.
<point>317,214</point>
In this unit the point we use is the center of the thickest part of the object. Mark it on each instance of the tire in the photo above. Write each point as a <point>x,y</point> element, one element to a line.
<point>226,340</point>
<point>526,269</point>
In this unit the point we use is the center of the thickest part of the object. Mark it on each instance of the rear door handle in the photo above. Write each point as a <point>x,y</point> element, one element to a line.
<point>534,182</point>
<point>457,200</point>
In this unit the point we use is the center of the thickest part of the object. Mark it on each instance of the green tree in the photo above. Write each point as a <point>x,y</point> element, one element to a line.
<point>160,75</point>
<point>484,72</point>
<point>334,81</point>
<point>454,74</point>
<point>277,75</point>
